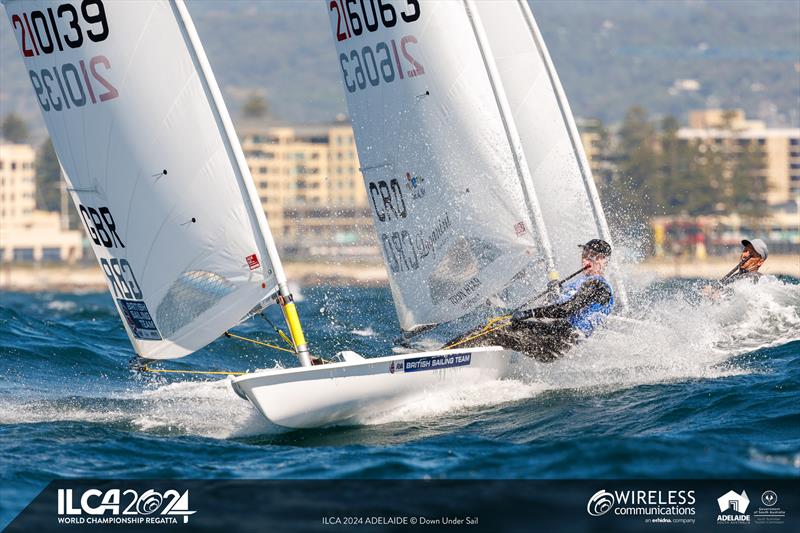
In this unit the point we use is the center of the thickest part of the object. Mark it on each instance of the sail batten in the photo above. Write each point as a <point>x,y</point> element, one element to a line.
<point>155,170</point>
<point>515,144</point>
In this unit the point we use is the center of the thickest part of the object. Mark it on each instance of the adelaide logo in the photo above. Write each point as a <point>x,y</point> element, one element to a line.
<point>600,503</point>
<point>733,508</point>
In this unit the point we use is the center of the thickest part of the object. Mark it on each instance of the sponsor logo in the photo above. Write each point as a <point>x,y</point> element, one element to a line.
<point>770,513</point>
<point>139,320</point>
<point>653,506</point>
<point>396,366</point>
<point>465,295</point>
<point>252,261</point>
<point>733,508</point>
<point>414,184</point>
<point>769,498</point>
<point>420,364</point>
<point>600,503</point>
<point>429,239</point>
<point>116,506</point>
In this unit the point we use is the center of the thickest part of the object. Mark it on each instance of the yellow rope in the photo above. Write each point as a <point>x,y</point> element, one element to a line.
<point>488,328</point>
<point>268,345</point>
<point>212,372</point>
<point>286,338</point>
<point>223,373</point>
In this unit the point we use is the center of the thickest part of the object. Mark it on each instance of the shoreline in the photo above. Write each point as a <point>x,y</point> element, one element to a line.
<point>83,278</point>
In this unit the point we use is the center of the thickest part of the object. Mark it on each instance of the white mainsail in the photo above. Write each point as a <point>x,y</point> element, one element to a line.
<point>149,155</point>
<point>454,219</point>
<point>558,166</point>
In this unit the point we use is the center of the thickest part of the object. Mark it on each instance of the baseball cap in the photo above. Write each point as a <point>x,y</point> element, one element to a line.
<point>598,246</point>
<point>759,246</point>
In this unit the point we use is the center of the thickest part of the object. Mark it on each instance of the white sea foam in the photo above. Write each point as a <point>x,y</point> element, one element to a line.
<point>668,338</point>
<point>365,332</point>
<point>206,408</point>
<point>61,305</point>
<point>671,338</point>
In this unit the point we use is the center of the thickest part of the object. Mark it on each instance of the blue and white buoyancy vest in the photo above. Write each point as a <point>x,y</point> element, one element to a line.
<point>592,315</point>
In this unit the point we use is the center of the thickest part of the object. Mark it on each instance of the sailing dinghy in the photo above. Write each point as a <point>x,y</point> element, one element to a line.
<point>157,174</point>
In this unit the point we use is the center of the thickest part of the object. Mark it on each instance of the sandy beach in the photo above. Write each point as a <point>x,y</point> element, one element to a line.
<point>89,277</point>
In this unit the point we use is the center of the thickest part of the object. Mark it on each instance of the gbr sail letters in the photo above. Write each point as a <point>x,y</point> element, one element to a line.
<point>155,178</point>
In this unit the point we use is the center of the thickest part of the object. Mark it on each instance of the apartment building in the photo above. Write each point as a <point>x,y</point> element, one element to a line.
<point>780,147</point>
<point>26,234</point>
<point>310,186</point>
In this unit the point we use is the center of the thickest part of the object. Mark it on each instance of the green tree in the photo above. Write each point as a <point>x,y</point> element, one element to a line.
<point>15,130</point>
<point>687,186</point>
<point>638,163</point>
<point>256,106</point>
<point>48,176</point>
<point>748,189</point>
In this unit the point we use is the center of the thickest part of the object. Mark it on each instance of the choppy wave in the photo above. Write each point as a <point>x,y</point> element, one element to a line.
<point>683,387</point>
<point>672,335</point>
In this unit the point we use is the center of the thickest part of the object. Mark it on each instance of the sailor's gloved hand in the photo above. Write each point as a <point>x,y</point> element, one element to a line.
<point>521,315</point>
<point>553,290</point>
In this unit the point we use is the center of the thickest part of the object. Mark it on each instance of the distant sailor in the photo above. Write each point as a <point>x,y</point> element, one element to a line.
<point>544,333</point>
<point>754,254</point>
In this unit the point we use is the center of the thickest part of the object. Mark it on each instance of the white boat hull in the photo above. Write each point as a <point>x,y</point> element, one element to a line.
<point>338,393</point>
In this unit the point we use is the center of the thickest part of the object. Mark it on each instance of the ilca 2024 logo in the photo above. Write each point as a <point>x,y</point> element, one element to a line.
<point>116,506</point>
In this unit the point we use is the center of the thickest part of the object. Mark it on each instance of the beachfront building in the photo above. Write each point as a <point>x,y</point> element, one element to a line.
<point>595,140</point>
<point>779,167</point>
<point>311,189</point>
<point>28,235</point>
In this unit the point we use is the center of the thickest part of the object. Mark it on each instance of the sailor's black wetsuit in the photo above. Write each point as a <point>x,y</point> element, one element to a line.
<point>742,274</point>
<point>546,332</point>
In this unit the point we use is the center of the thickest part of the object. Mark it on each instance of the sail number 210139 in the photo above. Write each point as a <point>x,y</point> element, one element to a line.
<point>58,29</point>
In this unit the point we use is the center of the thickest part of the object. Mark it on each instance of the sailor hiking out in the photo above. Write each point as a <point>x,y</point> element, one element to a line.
<point>754,253</point>
<point>582,306</point>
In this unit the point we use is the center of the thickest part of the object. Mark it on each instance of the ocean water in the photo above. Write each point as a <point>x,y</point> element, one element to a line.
<point>692,388</point>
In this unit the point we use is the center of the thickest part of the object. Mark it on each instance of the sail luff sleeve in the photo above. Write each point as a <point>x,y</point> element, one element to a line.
<point>583,162</point>
<point>233,144</point>
<point>514,142</point>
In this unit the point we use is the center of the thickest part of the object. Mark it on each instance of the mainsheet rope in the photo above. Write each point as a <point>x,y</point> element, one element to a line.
<point>146,368</point>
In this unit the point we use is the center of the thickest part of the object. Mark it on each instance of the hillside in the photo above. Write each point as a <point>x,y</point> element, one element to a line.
<point>609,54</point>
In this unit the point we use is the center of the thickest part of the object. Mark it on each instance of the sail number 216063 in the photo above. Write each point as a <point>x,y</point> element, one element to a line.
<point>370,65</point>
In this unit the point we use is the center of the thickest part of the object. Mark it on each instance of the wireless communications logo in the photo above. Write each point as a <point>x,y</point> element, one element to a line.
<point>115,506</point>
<point>653,506</point>
<point>600,503</point>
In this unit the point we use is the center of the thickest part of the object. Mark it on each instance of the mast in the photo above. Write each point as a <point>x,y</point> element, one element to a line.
<point>512,135</point>
<point>577,147</point>
<point>285,299</point>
